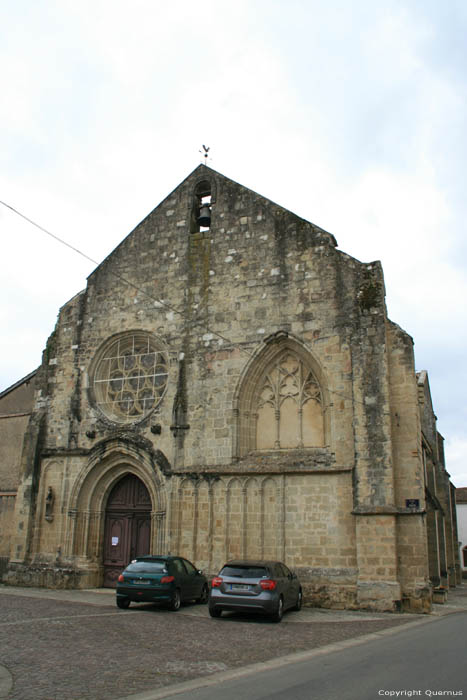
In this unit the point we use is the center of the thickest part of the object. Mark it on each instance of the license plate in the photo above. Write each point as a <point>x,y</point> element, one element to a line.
<point>141,583</point>
<point>239,587</point>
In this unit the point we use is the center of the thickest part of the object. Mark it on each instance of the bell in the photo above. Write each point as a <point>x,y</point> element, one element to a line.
<point>204,218</point>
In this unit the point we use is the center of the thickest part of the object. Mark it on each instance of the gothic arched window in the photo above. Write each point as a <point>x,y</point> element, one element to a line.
<point>282,400</point>
<point>289,411</point>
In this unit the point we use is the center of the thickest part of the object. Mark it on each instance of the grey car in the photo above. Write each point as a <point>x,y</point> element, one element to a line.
<point>267,587</point>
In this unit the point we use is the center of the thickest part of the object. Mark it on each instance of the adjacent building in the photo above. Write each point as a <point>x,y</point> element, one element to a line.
<point>461,505</point>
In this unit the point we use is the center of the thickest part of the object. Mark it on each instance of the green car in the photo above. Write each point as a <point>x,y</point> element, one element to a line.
<point>161,579</point>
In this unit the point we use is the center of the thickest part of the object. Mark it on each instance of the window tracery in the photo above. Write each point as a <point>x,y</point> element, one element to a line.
<point>130,377</point>
<point>289,405</point>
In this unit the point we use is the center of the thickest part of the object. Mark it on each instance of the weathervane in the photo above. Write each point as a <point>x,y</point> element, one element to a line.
<point>205,154</point>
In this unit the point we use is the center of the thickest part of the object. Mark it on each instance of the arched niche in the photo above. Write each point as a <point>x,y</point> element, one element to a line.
<point>282,402</point>
<point>108,464</point>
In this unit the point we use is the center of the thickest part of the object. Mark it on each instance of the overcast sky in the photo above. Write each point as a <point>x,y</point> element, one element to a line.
<point>350,114</point>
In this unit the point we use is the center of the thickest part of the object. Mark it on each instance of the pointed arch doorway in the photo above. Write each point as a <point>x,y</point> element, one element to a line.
<point>127,531</point>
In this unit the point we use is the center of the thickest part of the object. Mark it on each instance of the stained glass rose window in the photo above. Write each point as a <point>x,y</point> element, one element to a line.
<point>130,377</point>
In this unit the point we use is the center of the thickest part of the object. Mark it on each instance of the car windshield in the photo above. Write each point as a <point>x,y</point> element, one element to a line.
<point>245,571</point>
<point>147,567</point>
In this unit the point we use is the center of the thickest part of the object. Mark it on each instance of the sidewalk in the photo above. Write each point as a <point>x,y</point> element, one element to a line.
<point>456,602</point>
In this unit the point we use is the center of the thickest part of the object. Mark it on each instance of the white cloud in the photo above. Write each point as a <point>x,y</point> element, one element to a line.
<point>351,115</point>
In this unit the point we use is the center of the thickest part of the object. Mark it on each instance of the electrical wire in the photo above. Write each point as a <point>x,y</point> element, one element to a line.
<point>155,299</point>
<point>161,302</point>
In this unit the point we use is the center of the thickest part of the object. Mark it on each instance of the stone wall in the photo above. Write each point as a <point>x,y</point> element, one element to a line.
<point>16,404</point>
<point>288,424</point>
<point>12,430</point>
<point>298,519</point>
<point>7,523</point>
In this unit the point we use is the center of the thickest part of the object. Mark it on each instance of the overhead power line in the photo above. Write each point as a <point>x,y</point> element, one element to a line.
<point>163,303</point>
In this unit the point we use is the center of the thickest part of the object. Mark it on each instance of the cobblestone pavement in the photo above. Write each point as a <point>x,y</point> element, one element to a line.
<point>72,645</point>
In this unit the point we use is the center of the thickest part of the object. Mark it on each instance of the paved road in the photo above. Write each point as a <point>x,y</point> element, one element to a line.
<point>77,645</point>
<point>418,661</point>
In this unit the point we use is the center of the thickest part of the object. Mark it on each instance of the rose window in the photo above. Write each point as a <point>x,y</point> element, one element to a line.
<point>130,377</point>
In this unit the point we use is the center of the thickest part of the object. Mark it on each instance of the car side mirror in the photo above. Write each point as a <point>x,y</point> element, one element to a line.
<point>200,572</point>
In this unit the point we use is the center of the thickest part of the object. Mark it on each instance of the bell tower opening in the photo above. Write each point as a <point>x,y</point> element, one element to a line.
<point>201,210</point>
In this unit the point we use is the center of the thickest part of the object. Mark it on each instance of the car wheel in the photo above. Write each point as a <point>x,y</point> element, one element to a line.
<point>277,615</point>
<point>203,599</point>
<point>298,604</point>
<point>176,600</point>
<point>123,603</point>
<point>215,612</point>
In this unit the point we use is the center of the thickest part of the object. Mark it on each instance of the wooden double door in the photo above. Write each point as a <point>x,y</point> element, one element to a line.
<point>127,532</point>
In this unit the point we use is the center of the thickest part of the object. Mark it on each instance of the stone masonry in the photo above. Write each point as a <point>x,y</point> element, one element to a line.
<point>245,372</point>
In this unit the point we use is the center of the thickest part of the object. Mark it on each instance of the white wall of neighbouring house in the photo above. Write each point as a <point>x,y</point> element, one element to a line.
<point>462,532</point>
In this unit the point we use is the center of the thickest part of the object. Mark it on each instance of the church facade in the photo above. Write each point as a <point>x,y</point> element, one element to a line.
<point>229,385</point>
